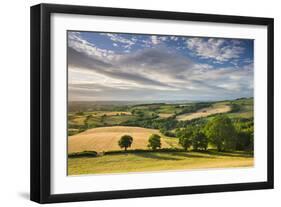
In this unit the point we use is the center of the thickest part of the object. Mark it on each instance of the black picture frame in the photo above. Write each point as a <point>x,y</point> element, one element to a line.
<point>41,98</point>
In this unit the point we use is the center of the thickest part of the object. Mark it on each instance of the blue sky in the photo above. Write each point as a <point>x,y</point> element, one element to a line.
<point>135,67</point>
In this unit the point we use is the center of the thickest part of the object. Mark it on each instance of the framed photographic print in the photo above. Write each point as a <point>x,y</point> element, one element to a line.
<point>133,103</point>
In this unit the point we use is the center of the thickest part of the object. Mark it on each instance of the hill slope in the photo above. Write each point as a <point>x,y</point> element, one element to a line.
<point>106,139</point>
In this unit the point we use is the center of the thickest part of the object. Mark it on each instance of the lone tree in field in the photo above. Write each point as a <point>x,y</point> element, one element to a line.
<point>185,137</point>
<point>154,141</point>
<point>125,141</point>
<point>221,133</point>
<point>199,140</point>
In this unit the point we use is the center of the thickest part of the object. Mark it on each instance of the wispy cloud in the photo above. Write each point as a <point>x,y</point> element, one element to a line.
<point>214,48</point>
<point>84,46</point>
<point>154,40</point>
<point>127,43</point>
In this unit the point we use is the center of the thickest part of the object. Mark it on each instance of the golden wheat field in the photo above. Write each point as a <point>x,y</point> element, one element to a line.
<point>165,115</point>
<point>215,109</point>
<point>106,139</point>
<point>110,113</point>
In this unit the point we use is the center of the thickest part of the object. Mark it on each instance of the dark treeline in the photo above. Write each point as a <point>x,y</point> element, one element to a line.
<point>221,132</point>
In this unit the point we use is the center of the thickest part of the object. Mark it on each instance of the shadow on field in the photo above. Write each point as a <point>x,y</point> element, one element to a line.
<point>187,155</point>
<point>202,154</point>
<point>228,154</point>
<point>156,156</point>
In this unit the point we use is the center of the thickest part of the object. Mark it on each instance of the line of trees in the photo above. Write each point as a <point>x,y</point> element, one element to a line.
<point>220,132</point>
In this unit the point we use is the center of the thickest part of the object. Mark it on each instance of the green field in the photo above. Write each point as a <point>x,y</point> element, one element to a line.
<point>156,161</point>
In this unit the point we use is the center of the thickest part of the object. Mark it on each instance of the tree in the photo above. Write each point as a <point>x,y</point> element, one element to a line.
<point>199,140</point>
<point>245,138</point>
<point>154,141</point>
<point>140,114</point>
<point>221,133</point>
<point>185,137</point>
<point>185,142</point>
<point>125,141</point>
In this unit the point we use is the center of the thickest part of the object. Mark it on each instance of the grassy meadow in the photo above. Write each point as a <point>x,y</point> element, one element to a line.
<point>185,138</point>
<point>157,161</point>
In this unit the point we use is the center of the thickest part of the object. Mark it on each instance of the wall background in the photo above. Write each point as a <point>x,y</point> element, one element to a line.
<point>14,102</point>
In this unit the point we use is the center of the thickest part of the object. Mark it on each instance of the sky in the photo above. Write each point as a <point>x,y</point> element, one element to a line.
<point>141,67</point>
